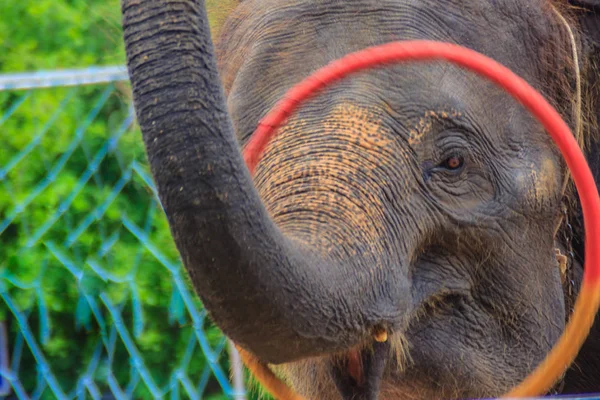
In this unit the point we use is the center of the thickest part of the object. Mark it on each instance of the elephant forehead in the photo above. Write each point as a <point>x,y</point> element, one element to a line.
<point>360,125</point>
<point>334,171</point>
<point>347,140</point>
<point>346,126</point>
<point>347,146</point>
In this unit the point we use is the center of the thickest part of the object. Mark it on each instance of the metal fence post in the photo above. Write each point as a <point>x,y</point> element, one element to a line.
<point>237,372</point>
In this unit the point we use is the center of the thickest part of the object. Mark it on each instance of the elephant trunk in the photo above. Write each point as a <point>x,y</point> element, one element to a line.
<point>270,294</point>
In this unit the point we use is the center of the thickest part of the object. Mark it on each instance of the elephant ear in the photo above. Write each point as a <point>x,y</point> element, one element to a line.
<point>218,11</point>
<point>585,3</point>
<point>588,14</point>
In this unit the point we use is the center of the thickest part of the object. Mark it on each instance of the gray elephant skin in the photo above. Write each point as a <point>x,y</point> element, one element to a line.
<point>417,199</point>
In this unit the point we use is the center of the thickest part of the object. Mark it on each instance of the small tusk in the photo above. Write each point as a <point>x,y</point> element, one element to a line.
<point>380,335</point>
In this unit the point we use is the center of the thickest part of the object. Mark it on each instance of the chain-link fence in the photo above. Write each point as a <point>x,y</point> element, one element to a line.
<point>95,303</point>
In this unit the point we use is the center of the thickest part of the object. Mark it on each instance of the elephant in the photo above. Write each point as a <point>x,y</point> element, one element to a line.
<point>417,203</point>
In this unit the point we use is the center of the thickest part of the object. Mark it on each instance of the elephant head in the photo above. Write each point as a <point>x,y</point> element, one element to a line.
<point>418,200</point>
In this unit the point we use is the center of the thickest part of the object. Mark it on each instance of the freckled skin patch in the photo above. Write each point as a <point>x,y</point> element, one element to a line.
<point>331,167</point>
<point>423,127</point>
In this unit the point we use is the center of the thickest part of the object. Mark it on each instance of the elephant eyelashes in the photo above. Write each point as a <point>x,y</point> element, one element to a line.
<point>453,163</point>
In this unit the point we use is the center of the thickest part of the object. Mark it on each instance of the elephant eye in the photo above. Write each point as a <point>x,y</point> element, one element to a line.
<point>453,163</point>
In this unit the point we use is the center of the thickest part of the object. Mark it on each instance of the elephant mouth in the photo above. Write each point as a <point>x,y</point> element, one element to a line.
<point>359,373</point>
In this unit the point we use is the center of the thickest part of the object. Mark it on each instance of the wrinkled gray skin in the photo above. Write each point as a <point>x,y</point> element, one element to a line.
<point>417,198</point>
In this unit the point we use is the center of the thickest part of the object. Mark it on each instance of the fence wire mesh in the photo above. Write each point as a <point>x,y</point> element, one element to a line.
<point>95,303</point>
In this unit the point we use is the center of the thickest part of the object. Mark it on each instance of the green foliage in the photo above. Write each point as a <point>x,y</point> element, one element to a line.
<point>57,280</point>
<point>71,258</point>
<point>49,34</point>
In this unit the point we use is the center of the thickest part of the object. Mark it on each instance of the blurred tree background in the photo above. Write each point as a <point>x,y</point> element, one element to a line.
<point>87,223</point>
